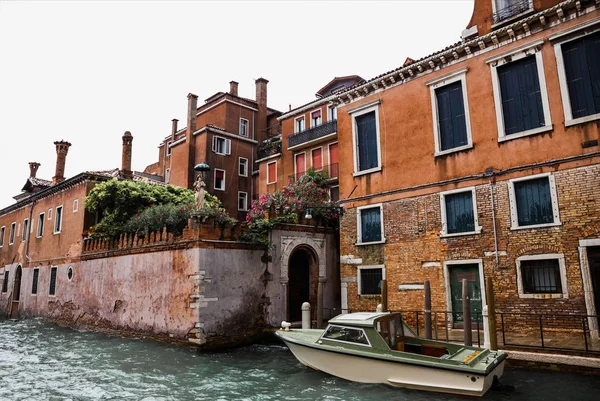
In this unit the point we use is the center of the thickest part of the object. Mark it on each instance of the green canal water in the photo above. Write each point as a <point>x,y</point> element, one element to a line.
<point>40,361</point>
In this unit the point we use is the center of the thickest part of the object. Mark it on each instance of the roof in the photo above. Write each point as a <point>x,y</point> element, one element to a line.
<point>137,176</point>
<point>331,83</point>
<point>362,319</point>
<point>35,182</point>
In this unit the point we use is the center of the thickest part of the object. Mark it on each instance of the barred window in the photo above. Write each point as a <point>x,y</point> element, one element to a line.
<point>370,281</point>
<point>34,283</point>
<point>52,281</point>
<point>541,276</point>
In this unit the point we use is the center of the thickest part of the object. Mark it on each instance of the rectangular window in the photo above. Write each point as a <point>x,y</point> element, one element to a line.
<point>50,214</point>
<point>346,334</point>
<point>11,236</point>
<point>315,118</point>
<point>579,75</point>
<point>244,127</point>
<point>75,205</point>
<point>317,158</point>
<point>334,193</point>
<point>369,279</point>
<point>5,282</point>
<point>25,230</point>
<point>52,290</point>
<point>365,129</point>
<point>34,283</point>
<point>271,173</point>
<point>242,201</point>
<point>2,232</point>
<point>169,148</point>
<point>299,165</point>
<point>334,171</point>
<point>332,114</point>
<point>58,220</point>
<point>221,146</point>
<point>219,179</point>
<point>370,224</point>
<point>542,274</point>
<point>243,167</point>
<point>459,212</point>
<point>40,226</point>
<point>167,175</point>
<point>299,124</point>
<point>533,202</point>
<point>506,9</point>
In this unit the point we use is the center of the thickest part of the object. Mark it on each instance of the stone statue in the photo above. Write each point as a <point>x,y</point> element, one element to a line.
<point>199,188</point>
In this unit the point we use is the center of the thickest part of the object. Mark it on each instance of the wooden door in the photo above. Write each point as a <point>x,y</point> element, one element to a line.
<point>457,274</point>
<point>594,263</point>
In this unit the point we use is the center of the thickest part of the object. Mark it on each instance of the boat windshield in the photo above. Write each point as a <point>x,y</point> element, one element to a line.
<point>393,330</point>
<point>346,334</point>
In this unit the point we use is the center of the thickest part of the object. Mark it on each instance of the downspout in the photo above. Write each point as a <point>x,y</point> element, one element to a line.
<point>29,232</point>
<point>490,173</point>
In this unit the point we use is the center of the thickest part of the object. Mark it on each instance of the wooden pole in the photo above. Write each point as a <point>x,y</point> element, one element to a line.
<point>384,296</point>
<point>320,304</point>
<point>427,288</point>
<point>491,304</point>
<point>466,300</point>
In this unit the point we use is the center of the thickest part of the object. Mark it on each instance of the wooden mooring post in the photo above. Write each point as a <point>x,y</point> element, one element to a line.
<point>427,292</point>
<point>467,323</point>
<point>384,296</point>
<point>491,305</point>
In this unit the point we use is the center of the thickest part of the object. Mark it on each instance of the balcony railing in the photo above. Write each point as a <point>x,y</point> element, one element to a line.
<point>515,8</point>
<point>332,170</point>
<point>268,149</point>
<point>312,133</point>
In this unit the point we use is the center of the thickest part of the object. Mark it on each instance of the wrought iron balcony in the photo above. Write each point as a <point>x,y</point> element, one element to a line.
<point>514,8</point>
<point>332,170</point>
<point>312,133</point>
<point>269,148</point>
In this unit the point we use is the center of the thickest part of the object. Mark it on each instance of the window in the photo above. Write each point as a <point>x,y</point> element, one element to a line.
<point>34,283</point>
<point>169,148</point>
<point>317,158</point>
<point>365,127</point>
<point>58,220</point>
<point>244,127</point>
<point>334,193</point>
<point>40,226</point>
<point>167,175</point>
<point>370,224</point>
<point>2,231</point>
<point>243,167</point>
<point>242,201</point>
<point>219,179</point>
<point>5,282</point>
<point>369,279</point>
<point>75,205</point>
<point>299,124</point>
<point>334,171</point>
<point>520,94</point>
<point>299,165</point>
<point>332,113</point>
<point>25,230</point>
<point>346,334</point>
<point>271,173</point>
<point>70,273</point>
<point>450,110</point>
<point>50,214</point>
<point>542,274</point>
<point>533,202</point>
<point>11,236</point>
<point>579,76</point>
<point>315,118</point>
<point>221,146</point>
<point>52,290</point>
<point>459,212</point>
<point>505,9</point>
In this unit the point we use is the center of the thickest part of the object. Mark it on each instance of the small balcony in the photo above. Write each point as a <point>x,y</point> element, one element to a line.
<point>514,8</point>
<point>269,148</point>
<point>312,133</point>
<point>332,170</point>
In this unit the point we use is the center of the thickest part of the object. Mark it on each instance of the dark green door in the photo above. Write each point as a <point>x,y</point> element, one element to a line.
<point>457,274</point>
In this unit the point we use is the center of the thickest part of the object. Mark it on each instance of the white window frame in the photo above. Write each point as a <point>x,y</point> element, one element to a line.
<point>37,284</point>
<point>563,276</point>
<point>25,229</point>
<point>585,29</point>
<point>330,188</point>
<point>514,220</point>
<point>75,205</point>
<point>62,217</point>
<point>367,267</point>
<point>247,125</point>
<point>50,214</point>
<point>295,169</point>
<point>329,163</point>
<point>240,193</point>
<point>168,146</point>
<point>245,163</point>
<point>268,164</point>
<point>532,48</point>
<point>455,76</point>
<point>2,234</point>
<point>444,231</point>
<point>50,281</point>
<point>40,227</point>
<point>312,124</point>
<point>167,175</point>
<point>215,180</point>
<point>331,113</point>
<point>302,117</point>
<point>359,111</point>
<point>322,158</point>
<point>512,17</point>
<point>359,228</point>
<point>226,145</point>
<point>12,233</point>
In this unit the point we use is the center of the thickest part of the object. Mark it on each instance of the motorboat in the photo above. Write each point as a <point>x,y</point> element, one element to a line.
<point>381,348</point>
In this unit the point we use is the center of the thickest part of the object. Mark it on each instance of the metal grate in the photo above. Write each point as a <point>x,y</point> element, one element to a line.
<point>34,284</point>
<point>370,281</point>
<point>541,276</point>
<point>52,281</point>
<point>514,8</point>
<point>312,133</point>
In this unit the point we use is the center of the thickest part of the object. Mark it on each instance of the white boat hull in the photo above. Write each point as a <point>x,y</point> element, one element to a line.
<point>370,370</point>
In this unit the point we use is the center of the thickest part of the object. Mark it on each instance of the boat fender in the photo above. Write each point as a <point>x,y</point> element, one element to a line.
<point>285,326</point>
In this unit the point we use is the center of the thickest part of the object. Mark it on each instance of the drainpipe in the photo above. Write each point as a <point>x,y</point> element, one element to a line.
<point>490,173</point>
<point>29,232</point>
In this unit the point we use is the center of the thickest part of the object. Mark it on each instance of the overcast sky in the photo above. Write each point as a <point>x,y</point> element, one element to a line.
<point>86,71</point>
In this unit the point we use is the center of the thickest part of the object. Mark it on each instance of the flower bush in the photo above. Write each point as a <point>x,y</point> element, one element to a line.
<point>154,218</point>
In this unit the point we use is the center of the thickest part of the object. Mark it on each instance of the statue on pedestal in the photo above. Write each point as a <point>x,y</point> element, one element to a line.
<point>200,192</point>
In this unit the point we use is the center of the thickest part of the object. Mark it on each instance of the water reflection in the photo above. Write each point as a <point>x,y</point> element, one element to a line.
<point>41,361</point>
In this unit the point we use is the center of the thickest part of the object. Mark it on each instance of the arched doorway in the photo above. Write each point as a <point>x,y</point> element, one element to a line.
<point>299,282</point>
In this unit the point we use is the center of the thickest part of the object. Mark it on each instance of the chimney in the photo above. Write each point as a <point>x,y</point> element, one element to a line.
<point>33,168</point>
<point>174,128</point>
<point>233,88</point>
<point>126,156</point>
<point>189,138</point>
<point>261,101</point>
<point>62,148</point>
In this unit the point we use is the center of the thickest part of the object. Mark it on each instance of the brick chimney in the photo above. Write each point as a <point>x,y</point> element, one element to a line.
<point>62,148</point>
<point>233,88</point>
<point>126,156</point>
<point>261,101</point>
<point>189,138</point>
<point>33,168</point>
<point>174,128</point>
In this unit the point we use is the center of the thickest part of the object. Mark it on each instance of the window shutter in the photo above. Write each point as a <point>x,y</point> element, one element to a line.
<point>534,202</point>
<point>370,220</point>
<point>227,146</point>
<point>460,216</point>
<point>451,116</point>
<point>367,141</point>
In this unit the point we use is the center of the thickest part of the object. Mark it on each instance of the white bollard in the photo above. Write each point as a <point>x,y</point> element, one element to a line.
<point>379,308</point>
<point>305,316</point>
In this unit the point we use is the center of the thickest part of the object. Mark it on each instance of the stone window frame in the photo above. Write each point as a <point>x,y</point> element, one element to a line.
<point>443,195</point>
<point>35,280</point>
<point>215,180</point>
<point>514,217</point>
<point>5,280</point>
<point>358,224</point>
<point>311,117</point>
<point>246,126</point>
<point>356,112</point>
<point>58,230</point>
<point>75,205</point>
<point>512,18</point>
<point>563,276</point>
<point>331,113</point>
<point>367,267</point>
<point>302,117</point>
<point>446,265</point>
<point>12,233</point>
<point>532,48</point>
<point>26,228</point>
<point>322,158</point>
<point>49,213</point>
<point>245,164</point>
<point>440,82</point>
<point>169,149</point>
<point>2,234</point>
<point>275,178</point>
<point>50,293</point>
<point>240,193</point>
<point>559,39</point>
<point>39,233</point>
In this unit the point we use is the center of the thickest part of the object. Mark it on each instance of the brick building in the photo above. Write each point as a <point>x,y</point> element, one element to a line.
<point>223,133</point>
<point>479,160</point>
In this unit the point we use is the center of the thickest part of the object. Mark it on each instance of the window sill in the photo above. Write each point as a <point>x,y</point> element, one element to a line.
<point>369,171</point>
<point>271,183</point>
<point>38,236</point>
<point>219,189</point>
<point>369,296</point>
<point>57,232</point>
<point>534,131</point>
<point>453,150</point>
<point>444,235</point>
<point>543,296</point>
<point>370,243</point>
<point>582,120</point>
<point>536,226</point>
<point>34,295</point>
